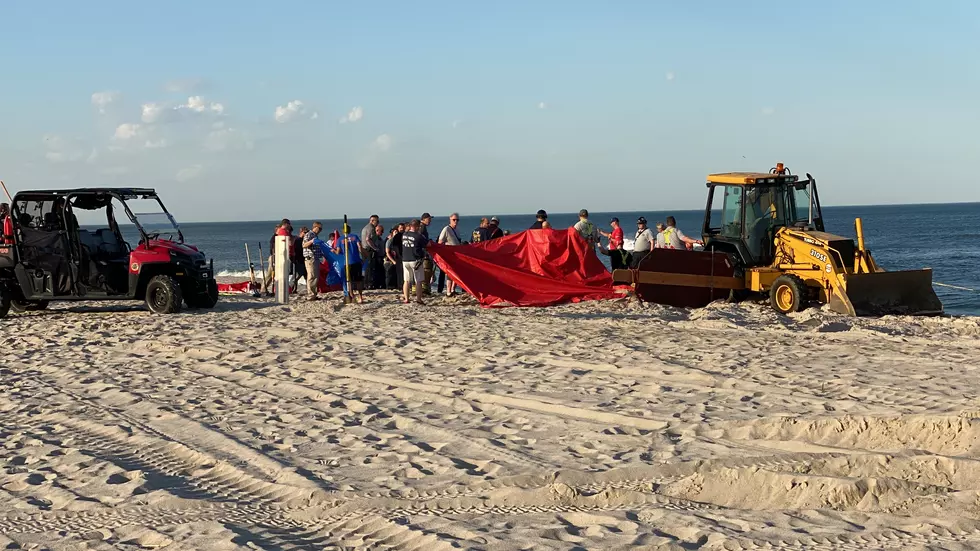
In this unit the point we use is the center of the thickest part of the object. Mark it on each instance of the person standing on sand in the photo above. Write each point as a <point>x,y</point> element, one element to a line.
<point>494,228</point>
<point>617,256</point>
<point>587,229</point>
<point>313,257</point>
<point>270,274</point>
<point>353,263</point>
<point>542,217</point>
<point>394,251</point>
<point>642,243</point>
<point>413,254</point>
<point>370,250</point>
<point>378,240</point>
<point>482,233</point>
<point>449,237</point>
<point>297,260</point>
<point>427,264</point>
<point>673,238</point>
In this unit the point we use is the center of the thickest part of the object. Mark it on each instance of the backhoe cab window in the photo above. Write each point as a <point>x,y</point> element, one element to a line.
<point>801,198</point>
<point>726,214</point>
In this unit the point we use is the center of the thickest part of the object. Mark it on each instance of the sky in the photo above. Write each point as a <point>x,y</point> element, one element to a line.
<point>257,111</point>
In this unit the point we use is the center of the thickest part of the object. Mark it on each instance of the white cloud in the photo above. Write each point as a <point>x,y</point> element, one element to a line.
<point>768,111</point>
<point>63,157</point>
<point>354,115</point>
<point>669,76</point>
<point>190,173</point>
<point>542,105</point>
<point>198,105</point>
<point>102,100</point>
<point>221,139</point>
<point>293,110</point>
<point>127,131</point>
<point>154,112</point>
<point>382,143</point>
<point>156,144</point>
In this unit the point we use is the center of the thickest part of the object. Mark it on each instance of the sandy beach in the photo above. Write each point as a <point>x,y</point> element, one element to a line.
<point>602,425</point>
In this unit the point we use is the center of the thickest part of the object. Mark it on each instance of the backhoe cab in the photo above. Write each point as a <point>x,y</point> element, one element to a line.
<point>768,237</point>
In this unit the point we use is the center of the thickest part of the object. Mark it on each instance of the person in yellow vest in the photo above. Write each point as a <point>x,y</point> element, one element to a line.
<point>673,238</point>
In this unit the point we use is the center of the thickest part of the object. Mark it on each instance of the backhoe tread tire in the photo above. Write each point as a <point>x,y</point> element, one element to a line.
<point>163,295</point>
<point>788,294</point>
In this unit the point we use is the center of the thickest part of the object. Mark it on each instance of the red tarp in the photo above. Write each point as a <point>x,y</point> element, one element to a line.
<point>529,268</point>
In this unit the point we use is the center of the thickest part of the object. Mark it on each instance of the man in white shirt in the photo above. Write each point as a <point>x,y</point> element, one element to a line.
<point>449,236</point>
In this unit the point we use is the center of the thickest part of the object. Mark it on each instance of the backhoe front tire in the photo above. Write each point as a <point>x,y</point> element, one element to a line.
<point>163,295</point>
<point>788,294</point>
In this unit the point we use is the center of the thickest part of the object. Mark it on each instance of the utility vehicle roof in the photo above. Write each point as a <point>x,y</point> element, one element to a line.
<point>123,191</point>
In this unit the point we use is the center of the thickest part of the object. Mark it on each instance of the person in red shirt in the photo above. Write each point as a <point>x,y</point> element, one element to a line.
<point>8,224</point>
<point>616,253</point>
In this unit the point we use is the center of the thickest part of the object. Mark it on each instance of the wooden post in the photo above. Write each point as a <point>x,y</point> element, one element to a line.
<point>282,269</point>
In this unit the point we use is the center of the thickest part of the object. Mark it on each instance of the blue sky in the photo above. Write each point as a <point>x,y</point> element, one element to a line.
<point>486,108</point>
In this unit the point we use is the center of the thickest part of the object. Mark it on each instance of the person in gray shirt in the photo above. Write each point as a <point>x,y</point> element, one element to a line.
<point>642,243</point>
<point>369,244</point>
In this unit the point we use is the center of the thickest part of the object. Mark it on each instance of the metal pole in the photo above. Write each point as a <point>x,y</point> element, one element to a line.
<point>348,296</point>
<point>281,269</point>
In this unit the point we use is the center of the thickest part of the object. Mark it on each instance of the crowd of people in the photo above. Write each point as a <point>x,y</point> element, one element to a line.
<point>397,259</point>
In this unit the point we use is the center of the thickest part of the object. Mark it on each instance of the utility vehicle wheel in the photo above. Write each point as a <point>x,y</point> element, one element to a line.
<point>28,305</point>
<point>163,295</point>
<point>788,294</point>
<point>4,303</point>
<point>205,300</point>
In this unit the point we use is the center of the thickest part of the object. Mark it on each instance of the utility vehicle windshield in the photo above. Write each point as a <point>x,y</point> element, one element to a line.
<point>153,219</point>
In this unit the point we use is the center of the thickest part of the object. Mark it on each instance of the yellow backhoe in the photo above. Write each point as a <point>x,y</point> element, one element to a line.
<point>768,237</point>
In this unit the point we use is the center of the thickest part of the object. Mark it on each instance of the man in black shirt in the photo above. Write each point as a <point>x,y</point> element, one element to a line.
<point>428,268</point>
<point>542,216</point>
<point>494,228</point>
<point>482,233</point>
<point>413,255</point>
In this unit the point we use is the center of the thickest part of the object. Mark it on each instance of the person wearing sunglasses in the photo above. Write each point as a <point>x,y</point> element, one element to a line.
<point>449,236</point>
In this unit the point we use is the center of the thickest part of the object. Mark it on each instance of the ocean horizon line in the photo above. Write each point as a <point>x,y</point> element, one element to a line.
<point>557,213</point>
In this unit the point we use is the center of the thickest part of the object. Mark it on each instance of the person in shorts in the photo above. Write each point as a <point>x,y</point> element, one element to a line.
<point>413,257</point>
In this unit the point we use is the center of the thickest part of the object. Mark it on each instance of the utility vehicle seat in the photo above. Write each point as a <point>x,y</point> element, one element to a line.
<point>110,245</point>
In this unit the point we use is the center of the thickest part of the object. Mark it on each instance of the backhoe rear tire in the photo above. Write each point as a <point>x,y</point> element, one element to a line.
<point>163,295</point>
<point>788,294</point>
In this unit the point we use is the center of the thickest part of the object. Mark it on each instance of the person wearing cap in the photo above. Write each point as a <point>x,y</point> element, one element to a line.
<point>542,218</point>
<point>494,228</point>
<point>642,243</point>
<point>617,256</point>
<point>587,229</point>
<point>427,264</point>
<point>673,238</point>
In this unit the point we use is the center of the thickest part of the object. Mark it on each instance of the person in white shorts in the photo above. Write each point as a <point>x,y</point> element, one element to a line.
<point>413,256</point>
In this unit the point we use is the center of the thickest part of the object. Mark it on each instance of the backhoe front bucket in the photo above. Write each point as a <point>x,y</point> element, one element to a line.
<point>907,292</point>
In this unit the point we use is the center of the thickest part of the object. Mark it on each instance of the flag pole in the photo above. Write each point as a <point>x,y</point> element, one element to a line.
<point>347,294</point>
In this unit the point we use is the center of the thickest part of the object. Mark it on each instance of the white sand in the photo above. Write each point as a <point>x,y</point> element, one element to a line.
<point>383,426</point>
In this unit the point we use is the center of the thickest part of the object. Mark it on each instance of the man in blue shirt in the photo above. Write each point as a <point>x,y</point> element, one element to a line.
<point>354,265</point>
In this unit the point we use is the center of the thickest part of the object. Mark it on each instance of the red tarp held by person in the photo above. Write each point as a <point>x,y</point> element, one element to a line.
<point>529,268</point>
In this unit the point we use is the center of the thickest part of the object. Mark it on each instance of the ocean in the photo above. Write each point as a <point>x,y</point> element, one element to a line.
<point>945,238</point>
